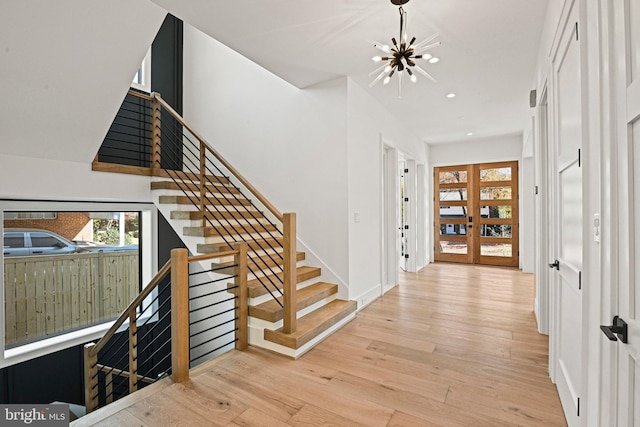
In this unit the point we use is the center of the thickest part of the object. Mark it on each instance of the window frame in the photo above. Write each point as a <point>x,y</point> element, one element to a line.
<point>148,268</point>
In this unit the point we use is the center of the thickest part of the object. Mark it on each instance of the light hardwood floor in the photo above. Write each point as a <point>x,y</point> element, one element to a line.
<point>453,345</point>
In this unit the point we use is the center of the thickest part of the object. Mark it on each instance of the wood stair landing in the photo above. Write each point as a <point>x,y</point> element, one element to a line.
<point>313,324</point>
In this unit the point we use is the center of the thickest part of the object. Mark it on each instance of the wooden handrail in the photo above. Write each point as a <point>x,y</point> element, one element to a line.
<point>145,292</point>
<point>136,302</point>
<point>140,95</point>
<point>221,159</point>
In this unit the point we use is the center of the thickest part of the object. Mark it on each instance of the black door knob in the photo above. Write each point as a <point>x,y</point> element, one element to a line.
<point>617,330</point>
<point>556,265</point>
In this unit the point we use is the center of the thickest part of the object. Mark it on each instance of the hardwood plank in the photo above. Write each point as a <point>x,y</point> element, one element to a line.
<point>450,346</point>
<point>254,418</point>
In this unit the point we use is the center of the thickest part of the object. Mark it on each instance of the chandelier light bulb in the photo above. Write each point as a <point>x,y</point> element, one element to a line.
<point>376,59</point>
<point>434,60</point>
<point>386,80</point>
<point>388,68</point>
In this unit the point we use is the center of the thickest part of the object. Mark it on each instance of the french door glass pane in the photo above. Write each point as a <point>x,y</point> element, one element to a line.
<point>495,230</point>
<point>453,212</point>
<point>447,247</point>
<point>496,249</point>
<point>495,174</point>
<point>500,212</point>
<point>451,177</point>
<point>453,194</point>
<point>453,229</point>
<point>495,193</point>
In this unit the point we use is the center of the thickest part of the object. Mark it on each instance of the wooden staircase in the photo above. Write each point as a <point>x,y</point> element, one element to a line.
<point>227,217</point>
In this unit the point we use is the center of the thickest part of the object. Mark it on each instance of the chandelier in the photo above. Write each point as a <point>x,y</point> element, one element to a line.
<point>401,56</point>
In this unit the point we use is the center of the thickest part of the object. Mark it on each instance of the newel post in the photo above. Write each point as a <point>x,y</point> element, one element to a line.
<point>156,165</point>
<point>90,377</point>
<point>179,315</point>
<point>242,292</point>
<point>290,271</point>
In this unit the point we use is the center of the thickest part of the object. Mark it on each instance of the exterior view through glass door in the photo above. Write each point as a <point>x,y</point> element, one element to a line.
<point>476,213</point>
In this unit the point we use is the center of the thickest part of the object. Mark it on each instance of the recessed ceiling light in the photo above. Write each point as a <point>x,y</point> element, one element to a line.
<point>434,60</point>
<point>469,133</point>
<point>451,95</point>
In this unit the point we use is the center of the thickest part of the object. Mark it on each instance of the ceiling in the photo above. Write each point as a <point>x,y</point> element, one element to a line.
<point>488,53</point>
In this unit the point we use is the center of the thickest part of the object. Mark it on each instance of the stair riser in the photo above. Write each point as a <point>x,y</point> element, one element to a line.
<point>257,291</point>
<point>256,338</point>
<point>297,342</point>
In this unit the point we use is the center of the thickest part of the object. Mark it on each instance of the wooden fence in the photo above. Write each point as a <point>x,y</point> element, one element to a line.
<point>49,295</point>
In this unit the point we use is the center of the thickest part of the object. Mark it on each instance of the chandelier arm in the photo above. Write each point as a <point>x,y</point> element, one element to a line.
<point>424,73</point>
<point>381,46</point>
<point>377,70</point>
<point>425,41</point>
<point>425,48</point>
<point>377,79</point>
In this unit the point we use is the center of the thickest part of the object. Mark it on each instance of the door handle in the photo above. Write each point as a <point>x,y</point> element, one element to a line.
<point>617,330</point>
<point>556,265</point>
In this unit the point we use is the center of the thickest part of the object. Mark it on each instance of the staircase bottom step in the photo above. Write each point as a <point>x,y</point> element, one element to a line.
<point>313,324</point>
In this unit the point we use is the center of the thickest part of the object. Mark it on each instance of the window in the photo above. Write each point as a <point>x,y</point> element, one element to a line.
<point>13,240</point>
<point>142,79</point>
<point>43,240</point>
<point>76,271</point>
<point>30,215</point>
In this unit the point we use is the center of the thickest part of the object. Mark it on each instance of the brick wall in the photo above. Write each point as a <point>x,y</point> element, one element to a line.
<point>71,225</point>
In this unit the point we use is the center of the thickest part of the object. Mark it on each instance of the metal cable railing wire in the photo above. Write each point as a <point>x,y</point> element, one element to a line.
<point>190,194</point>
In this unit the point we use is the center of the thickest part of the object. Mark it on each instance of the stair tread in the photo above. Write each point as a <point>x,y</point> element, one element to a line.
<point>257,289</point>
<point>272,311</point>
<point>212,187</point>
<point>261,259</point>
<point>247,214</point>
<point>227,230</point>
<point>208,248</point>
<point>210,201</point>
<point>313,324</point>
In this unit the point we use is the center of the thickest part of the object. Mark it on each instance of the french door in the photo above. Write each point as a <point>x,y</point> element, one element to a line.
<point>476,213</point>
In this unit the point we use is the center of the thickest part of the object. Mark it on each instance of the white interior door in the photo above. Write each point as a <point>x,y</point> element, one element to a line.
<point>403,208</point>
<point>627,35</point>
<point>390,212</point>
<point>541,201</point>
<point>568,222</point>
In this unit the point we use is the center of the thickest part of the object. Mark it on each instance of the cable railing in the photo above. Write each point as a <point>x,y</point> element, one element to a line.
<point>238,219</point>
<point>185,316</point>
<point>229,207</point>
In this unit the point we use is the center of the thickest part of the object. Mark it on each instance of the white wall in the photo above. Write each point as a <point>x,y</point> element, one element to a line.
<point>369,124</point>
<point>289,143</point>
<point>42,179</point>
<point>497,149</point>
<point>65,69</point>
